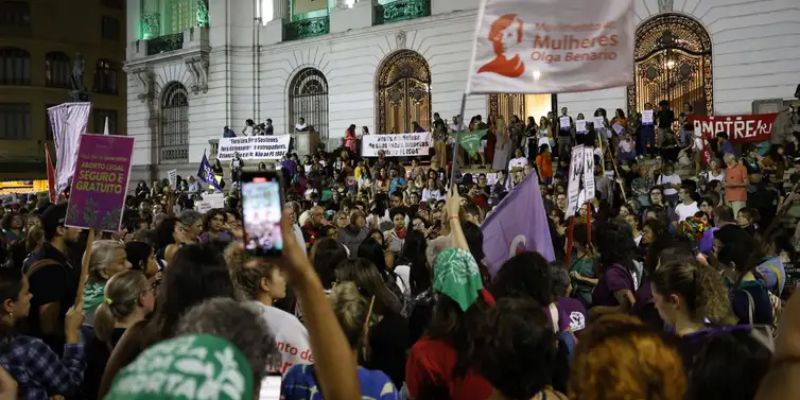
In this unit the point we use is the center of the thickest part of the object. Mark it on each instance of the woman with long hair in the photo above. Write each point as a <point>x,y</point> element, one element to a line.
<point>325,255</point>
<point>263,283</point>
<point>733,248</point>
<point>690,298</point>
<point>129,298</point>
<point>412,267</point>
<point>197,273</point>
<point>618,277</point>
<point>39,371</point>
<point>388,340</point>
<point>353,313</point>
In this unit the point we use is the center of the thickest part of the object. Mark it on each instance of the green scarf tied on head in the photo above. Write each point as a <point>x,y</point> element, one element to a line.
<point>457,276</point>
<point>187,367</point>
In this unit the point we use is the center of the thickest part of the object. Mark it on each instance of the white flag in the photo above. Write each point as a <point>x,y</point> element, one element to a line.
<point>68,122</point>
<point>105,127</point>
<point>552,46</point>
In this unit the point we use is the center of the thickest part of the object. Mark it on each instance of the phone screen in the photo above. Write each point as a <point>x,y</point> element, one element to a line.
<point>261,209</point>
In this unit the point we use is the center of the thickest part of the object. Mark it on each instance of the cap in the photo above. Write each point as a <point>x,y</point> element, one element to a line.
<point>53,217</point>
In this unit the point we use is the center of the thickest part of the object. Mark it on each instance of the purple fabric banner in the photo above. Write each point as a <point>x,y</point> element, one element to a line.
<point>519,223</point>
<point>100,183</point>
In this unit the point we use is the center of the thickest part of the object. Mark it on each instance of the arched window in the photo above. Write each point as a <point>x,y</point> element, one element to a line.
<point>15,66</point>
<point>105,77</point>
<point>404,93</point>
<point>173,139</point>
<point>57,69</point>
<point>673,63</point>
<point>308,99</point>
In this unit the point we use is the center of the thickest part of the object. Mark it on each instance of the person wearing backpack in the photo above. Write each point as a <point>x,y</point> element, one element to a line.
<point>750,300</point>
<point>53,280</point>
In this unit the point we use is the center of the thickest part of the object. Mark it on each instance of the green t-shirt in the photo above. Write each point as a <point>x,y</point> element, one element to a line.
<point>585,267</point>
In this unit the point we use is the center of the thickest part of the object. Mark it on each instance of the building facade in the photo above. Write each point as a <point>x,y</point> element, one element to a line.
<point>197,66</point>
<point>40,42</point>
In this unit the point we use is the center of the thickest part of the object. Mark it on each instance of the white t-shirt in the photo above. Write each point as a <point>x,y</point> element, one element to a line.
<point>685,211</point>
<point>290,336</point>
<point>519,162</point>
<point>665,179</point>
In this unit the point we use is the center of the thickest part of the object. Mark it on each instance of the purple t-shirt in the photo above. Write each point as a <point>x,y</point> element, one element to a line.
<point>571,314</point>
<point>615,278</point>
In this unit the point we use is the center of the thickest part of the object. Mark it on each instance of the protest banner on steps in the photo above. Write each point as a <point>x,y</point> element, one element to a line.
<point>100,183</point>
<point>272,147</point>
<point>740,128</point>
<point>400,145</point>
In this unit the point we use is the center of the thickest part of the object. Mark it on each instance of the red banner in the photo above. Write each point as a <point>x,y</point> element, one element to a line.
<point>740,128</point>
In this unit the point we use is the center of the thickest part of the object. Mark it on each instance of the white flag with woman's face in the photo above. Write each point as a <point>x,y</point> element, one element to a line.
<point>550,46</point>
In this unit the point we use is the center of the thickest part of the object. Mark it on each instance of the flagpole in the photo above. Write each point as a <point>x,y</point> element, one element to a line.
<point>458,124</point>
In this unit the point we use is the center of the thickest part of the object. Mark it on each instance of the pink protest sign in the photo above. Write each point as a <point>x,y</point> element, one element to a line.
<point>100,183</point>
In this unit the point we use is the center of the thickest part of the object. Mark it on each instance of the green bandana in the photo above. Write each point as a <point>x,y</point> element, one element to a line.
<point>188,367</point>
<point>456,275</point>
<point>470,141</point>
<point>93,295</point>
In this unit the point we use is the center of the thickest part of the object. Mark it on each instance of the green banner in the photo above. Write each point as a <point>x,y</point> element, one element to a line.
<point>470,141</point>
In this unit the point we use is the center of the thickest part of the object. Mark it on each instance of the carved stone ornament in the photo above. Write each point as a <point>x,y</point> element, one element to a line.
<point>400,37</point>
<point>143,76</point>
<point>665,6</point>
<point>198,68</point>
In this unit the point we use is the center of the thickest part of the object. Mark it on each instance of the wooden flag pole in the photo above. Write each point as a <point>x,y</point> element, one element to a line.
<point>459,123</point>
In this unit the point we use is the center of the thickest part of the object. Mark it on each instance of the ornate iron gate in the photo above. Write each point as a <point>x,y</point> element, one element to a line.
<point>673,63</point>
<point>308,99</point>
<point>404,93</point>
<point>173,143</point>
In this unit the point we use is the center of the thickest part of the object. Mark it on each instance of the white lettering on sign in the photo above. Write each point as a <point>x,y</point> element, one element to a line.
<point>254,147</point>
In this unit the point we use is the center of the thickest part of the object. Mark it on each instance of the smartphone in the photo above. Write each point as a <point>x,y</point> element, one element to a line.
<point>262,206</point>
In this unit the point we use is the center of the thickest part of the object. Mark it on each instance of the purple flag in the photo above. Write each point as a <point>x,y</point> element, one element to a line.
<point>519,223</point>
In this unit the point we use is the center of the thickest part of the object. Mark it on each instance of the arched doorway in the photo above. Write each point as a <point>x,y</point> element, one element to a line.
<point>173,139</point>
<point>404,93</point>
<point>308,99</point>
<point>672,62</point>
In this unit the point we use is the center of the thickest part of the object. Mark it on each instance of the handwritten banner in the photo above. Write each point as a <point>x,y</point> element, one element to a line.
<point>402,145</point>
<point>254,147</point>
<point>740,128</point>
<point>100,183</point>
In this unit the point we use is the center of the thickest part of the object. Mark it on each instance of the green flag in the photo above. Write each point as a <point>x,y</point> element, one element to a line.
<point>470,141</point>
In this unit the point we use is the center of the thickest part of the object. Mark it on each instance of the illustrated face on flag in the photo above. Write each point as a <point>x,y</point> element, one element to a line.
<point>545,46</point>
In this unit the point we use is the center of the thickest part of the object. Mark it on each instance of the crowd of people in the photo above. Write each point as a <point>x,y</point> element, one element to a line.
<point>666,285</point>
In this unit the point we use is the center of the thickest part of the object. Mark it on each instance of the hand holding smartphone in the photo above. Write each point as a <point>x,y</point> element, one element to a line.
<point>262,207</point>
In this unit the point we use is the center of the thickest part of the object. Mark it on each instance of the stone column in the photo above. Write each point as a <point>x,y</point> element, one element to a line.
<point>133,14</point>
<point>280,9</point>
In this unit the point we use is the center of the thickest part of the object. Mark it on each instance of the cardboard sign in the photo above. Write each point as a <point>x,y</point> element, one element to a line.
<point>647,117</point>
<point>599,122</point>
<point>172,176</point>
<point>100,183</point>
<point>580,125</point>
<point>272,147</point>
<point>580,187</point>
<point>210,202</point>
<point>401,145</point>
<point>618,128</point>
<point>740,128</point>
<point>564,122</point>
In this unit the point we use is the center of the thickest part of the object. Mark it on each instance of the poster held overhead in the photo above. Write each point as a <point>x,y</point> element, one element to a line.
<point>547,46</point>
<point>100,184</point>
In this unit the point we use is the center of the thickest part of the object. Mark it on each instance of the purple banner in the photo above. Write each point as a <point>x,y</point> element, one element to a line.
<point>100,183</point>
<point>519,223</point>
